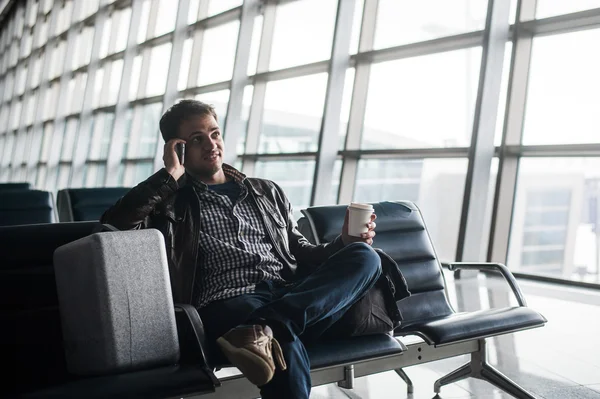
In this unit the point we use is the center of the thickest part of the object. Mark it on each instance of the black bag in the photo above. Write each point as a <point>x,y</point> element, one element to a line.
<point>376,312</point>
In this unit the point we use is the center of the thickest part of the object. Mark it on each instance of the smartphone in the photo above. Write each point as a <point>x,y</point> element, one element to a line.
<point>180,151</point>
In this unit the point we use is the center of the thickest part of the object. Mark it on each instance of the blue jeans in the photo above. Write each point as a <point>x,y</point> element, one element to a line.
<point>299,312</point>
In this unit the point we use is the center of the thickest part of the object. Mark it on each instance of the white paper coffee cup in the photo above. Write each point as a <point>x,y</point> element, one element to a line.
<point>359,217</point>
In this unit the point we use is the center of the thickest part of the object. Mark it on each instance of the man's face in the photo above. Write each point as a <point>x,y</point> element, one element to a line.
<point>204,147</point>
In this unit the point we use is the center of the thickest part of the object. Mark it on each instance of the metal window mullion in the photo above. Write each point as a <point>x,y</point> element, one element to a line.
<point>260,87</point>
<point>144,72</point>
<point>152,18</point>
<point>192,79</point>
<point>481,152</point>
<point>233,123</point>
<point>179,36</point>
<point>43,84</point>
<point>136,131</point>
<point>358,103</point>
<point>86,117</point>
<point>28,92</point>
<point>508,165</point>
<point>59,121</point>
<point>581,20</point>
<point>330,125</point>
<point>116,144</point>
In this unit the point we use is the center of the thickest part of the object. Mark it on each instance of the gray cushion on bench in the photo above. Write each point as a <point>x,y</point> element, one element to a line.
<point>115,302</point>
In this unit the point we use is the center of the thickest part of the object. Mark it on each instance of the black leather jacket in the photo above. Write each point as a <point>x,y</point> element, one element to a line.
<point>173,207</point>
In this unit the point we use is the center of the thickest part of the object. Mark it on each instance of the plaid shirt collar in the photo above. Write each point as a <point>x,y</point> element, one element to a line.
<point>229,171</point>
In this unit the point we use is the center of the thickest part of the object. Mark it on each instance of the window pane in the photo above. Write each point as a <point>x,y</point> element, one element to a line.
<point>503,95</point>
<point>435,185</point>
<point>402,22</point>
<point>167,11</point>
<point>122,29</point>
<point>64,172</point>
<point>143,29</point>
<point>218,53</point>
<point>95,175</point>
<point>159,68</point>
<point>555,228</point>
<point>69,140</point>
<point>294,177</point>
<point>219,100</point>
<point>422,102</point>
<point>563,93</point>
<point>254,45</point>
<point>219,6</point>
<point>102,128</point>
<point>184,67</point>
<point>116,70</point>
<point>151,114</point>
<point>335,182</point>
<point>293,43</point>
<point>356,26</point>
<point>345,111</point>
<point>246,102</point>
<point>136,173</point>
<point>550,8</point>
<point>136,69</point>
<point>291,123</point>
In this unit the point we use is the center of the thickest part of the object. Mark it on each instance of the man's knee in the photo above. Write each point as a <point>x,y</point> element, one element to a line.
<point>370,262</point>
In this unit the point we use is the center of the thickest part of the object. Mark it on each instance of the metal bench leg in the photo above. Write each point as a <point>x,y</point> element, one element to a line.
<point>479,368</point>
<point>409,384</point>
<point>348,381</point>
<point>495,377</point>
<point>456,375</point>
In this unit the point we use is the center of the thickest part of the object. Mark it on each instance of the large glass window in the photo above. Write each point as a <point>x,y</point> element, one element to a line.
<point>422,102</point>
<point>293,43</point>
<point>219,100</point>
<point>159,69</point>
<point>167,11</point>
<point>218,53</point>
<point>563,95</point>
<point>435,185</point>
<point>556,222</point>
<point>551,8</point>
<point>294,177</point>
<point>402,22</point>
<point>292,114</point>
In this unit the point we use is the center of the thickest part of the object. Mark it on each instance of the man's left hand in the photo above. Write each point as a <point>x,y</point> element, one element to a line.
<point>364,237</point>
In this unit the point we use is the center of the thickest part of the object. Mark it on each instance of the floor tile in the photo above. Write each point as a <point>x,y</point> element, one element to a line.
<point>578,392</point>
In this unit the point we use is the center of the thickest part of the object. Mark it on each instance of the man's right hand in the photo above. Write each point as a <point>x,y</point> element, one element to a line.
<point>171,159</point>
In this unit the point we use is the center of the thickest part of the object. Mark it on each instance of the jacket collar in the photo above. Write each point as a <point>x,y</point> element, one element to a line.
<point>229,171</point>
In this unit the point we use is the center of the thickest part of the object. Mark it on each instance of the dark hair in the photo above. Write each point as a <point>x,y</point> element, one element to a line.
<point>183,110</point>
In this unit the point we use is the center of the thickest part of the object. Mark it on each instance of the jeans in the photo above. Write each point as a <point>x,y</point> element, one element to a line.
<point>298,312</point>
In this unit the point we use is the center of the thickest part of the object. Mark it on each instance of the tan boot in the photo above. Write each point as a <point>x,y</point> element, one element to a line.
<point>251,349</point>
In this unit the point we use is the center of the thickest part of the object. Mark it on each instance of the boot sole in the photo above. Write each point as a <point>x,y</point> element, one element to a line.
<point>255,369</point>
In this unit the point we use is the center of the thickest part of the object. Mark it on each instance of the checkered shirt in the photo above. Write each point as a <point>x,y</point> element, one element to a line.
<point>235,250</point>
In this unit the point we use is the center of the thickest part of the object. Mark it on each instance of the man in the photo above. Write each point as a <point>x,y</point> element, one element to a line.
<point>235,253</point>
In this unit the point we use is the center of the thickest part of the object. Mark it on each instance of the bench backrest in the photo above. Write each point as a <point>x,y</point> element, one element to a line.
<point>402,234</point>
<point>14,186</point>
<point>31,335</point>
<point>86,204</point>
<point>26,207</point>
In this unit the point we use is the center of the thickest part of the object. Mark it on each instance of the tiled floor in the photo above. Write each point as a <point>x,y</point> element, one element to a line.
<point>558,361</point>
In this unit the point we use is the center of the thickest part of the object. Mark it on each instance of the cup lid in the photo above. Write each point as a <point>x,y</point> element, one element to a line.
<point>358,205</point>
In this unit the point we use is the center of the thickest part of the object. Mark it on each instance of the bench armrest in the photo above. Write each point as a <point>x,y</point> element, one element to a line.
<point>492,267</point>
<point>192,338</point>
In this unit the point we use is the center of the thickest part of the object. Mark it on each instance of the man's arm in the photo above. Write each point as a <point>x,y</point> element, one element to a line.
<point>132,211</point>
